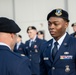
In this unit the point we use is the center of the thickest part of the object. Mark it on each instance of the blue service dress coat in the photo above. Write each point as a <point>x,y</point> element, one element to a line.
<point>20,48</point>
<point>65,59</point>
<point>33,54</point>
<point>13,64</point>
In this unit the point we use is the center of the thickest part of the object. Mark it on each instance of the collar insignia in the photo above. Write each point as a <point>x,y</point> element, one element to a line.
<point>49,44</point>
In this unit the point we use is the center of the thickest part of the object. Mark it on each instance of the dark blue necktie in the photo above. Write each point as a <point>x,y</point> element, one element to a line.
<point>54,50</point>
<point>31,43</point>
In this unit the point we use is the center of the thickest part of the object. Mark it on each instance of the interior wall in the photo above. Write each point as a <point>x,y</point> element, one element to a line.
<point>34,12</point>
<point>6,8</point>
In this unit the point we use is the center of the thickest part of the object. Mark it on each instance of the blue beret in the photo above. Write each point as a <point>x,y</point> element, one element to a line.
<point>8,25</point>
<point>31,28</point>
<point>58,13</point>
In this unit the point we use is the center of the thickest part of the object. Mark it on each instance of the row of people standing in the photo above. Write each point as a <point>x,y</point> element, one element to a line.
<point>20,46</point>
<point>31,48</point>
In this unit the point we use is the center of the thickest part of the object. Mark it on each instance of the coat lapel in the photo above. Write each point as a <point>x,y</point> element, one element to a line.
<point>49,46</point>
<point>63,48</point>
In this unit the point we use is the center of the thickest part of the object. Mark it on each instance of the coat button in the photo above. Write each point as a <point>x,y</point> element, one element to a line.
<point>30,55</point>
<point>53,68</point>
<point>30,59</point>
<point>30,51</point>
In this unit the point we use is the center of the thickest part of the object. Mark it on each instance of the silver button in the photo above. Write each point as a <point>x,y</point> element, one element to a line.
<point>30,51</point>
<point>30,55</point>
<point>53,68</point>
<point>30,59</point>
